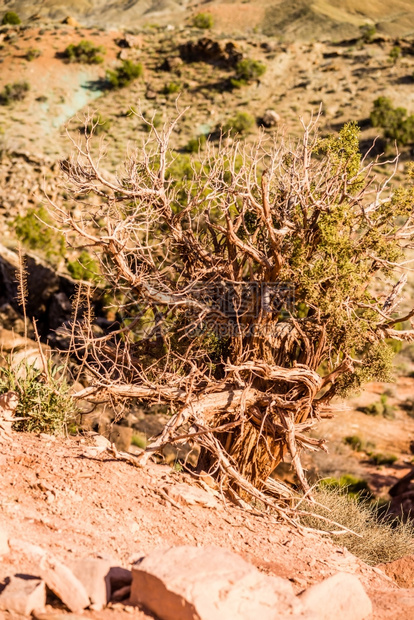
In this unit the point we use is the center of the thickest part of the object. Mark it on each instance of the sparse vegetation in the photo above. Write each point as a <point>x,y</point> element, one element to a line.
<point>395,53</point>
<point>382,459</point>
<point>239,124</point>
<point>11,19</point>
<point>84,52</point>
<point>368,32</point>
<point>203,21</point>
<point>16,91</point>
<point>195,144</point>
<point>350,484</point>
<point>355,442</point>
<point>33,230</point>
<point>124,75</point>
<point>98,125</point>
<point>397,125</point>
<point>171,88</point>
<point>381,539</point>
<point>32,53</point>
<point>247,70</point>
<point>85,267</point>
<point>45,403</point>
<point>380,408</point>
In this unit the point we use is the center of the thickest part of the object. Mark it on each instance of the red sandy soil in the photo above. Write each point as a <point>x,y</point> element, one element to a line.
<point>57,494</point>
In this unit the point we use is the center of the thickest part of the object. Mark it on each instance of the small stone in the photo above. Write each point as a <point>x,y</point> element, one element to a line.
<point>340,596</point>
<point>188,495</point>
<point>270,118</point>
<point>23,594</point>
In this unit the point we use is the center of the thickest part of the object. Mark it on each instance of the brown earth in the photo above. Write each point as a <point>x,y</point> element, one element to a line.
<point>57,494</point>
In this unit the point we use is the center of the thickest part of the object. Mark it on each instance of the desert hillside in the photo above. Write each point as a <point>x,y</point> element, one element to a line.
<point>178,178</point>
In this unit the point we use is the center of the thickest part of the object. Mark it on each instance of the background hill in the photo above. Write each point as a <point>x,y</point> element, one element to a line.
<point>301,19</point>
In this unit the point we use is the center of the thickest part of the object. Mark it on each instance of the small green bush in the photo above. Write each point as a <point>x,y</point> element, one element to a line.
<point>396,124</point>
<point>16,91</point>
<point>378,539</point>
<point>171,88</point>
<point>355,442</point>
<point>84,268</point>
<point>380,408</point>
<point>395,53</point>
<point>241,123</point>
<point>368,32</point>
<point>156,120</point>
<point>33,231</point>
<point>195,144</point>
<point>247,71</point>
<point>203,21</point>
<point>139,440</point>
<point>383,459</point>
<point>11,18</point>
<point>355,487</point>
<point>32,53</point>
<point>85,52</point>
<point>98,125</point>
<point>124,75</point>
<point>45,403</point>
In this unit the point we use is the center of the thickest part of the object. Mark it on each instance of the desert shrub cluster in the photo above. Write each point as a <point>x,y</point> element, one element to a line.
<point>373,538</point>
<point>84,52</point>
<point>13,92</point>
<point>11,18</point>
<point>203,21</point>
<point>396,123</point>
<point>123,75</point>
<point>45,404</point>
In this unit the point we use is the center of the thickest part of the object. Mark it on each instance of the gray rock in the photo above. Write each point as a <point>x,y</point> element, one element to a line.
<point>341,596</point>
<point>193,583</point>
<point>23,594</point>
<point>61,580</point>
<point>270,118</point>
<point>93,573</point>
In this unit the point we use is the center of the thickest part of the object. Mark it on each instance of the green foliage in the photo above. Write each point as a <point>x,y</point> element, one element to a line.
<point>355,487</point>
<point>125,74</point>
<point>203,21</point>
<point>395,53</point>
<point>368,32</point>
<point>33,231</point>
<point>195,144</point>
<point>383,459</point>
<point>380,408</point>
<point>32,53</point>
<point>397,126</point>
<point>16,91</point>
<point>355,442</point>
<point>241,124</point>
<point>45,403</point>
<point>85,52</point>
<point>84,268</point>
<point>247,70</point>
<point>378,539</point>
<point>98,125</point>
<point>171,88</point>
<point>11,18</point>
<point>139,440</point>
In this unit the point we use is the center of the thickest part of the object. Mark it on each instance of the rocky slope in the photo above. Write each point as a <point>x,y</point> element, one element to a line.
<point>75,500</point>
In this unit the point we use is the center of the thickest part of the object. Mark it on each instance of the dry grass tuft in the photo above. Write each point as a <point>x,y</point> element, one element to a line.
<point>381,539</point>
